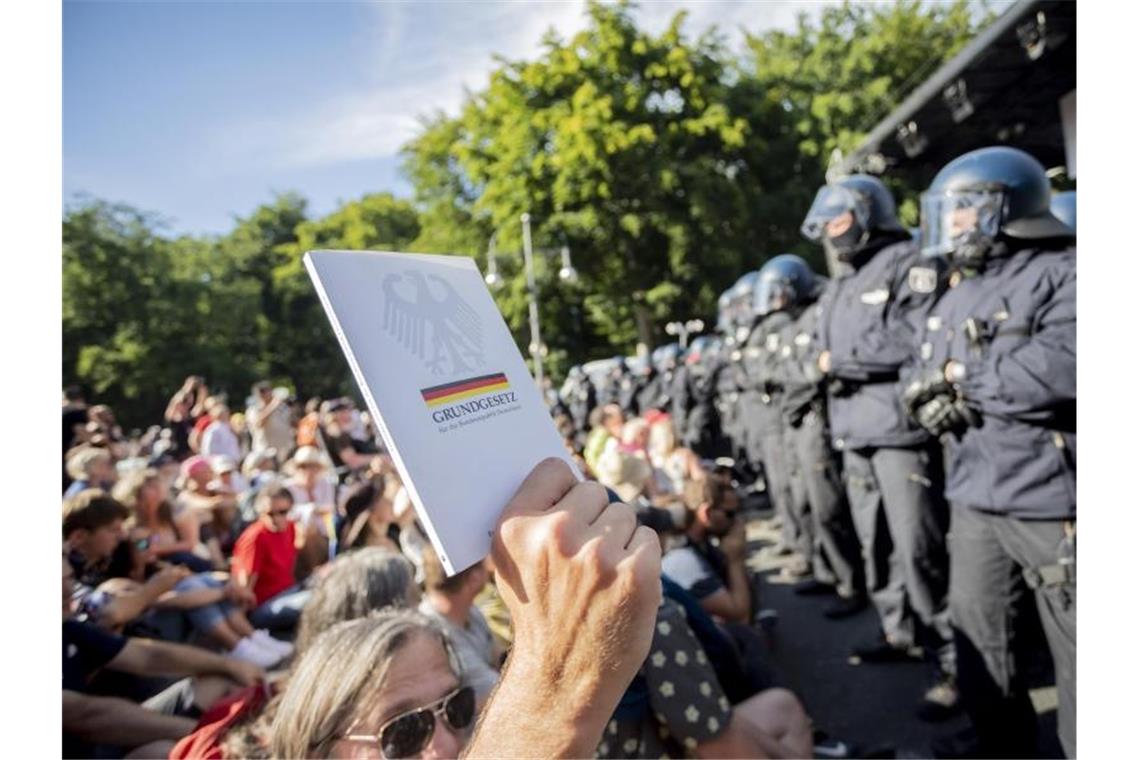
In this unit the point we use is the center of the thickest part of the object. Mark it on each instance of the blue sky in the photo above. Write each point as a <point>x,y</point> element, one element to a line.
<point>200,111</point>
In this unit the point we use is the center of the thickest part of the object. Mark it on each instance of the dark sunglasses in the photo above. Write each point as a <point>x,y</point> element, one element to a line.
<point>407,735</point>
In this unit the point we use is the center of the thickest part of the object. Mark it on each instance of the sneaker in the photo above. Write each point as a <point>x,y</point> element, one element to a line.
<point>825,745</point>
<point>266,641</point>
<point>846,606</point>
<point>249,650</point>
<point>883,651</point>
<point>766,618</point>
<point>940,702</point>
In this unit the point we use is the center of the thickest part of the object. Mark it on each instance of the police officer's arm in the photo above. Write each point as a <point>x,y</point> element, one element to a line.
<point>1039,373</point>
<point>885,339</point>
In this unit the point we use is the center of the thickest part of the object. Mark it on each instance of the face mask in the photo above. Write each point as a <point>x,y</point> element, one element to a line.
<point>846,245</point>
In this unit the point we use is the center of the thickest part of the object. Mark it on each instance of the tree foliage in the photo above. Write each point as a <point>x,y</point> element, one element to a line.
<point>668,166</point>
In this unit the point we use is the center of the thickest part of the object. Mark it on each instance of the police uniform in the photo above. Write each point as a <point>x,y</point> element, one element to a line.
<point>1012,482</point>
<point>762,424</point>
<point>815,470</point>
<point>893,469</point>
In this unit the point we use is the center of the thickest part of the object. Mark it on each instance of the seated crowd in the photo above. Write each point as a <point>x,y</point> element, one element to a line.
<point>257,584</point>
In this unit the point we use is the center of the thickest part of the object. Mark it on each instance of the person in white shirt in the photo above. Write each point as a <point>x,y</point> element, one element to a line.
<point>270,422</point>
<point>219,438</point>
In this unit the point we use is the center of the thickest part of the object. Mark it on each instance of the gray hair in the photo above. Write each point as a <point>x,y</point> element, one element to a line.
<point>341,673</point>
<point>356,584</point>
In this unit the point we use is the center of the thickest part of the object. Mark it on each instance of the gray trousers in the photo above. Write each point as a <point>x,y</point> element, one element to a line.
<point>994,559</point>
<point>818,492</point>
<point>776,475</point>
<point>901,519</point>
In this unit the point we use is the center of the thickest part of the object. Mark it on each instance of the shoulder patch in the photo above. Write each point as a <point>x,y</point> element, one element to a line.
<point>875,297</point>
<point>922,279</point>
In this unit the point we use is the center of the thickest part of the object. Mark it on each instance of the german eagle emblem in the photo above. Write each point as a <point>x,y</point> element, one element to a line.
<point>430,320</point>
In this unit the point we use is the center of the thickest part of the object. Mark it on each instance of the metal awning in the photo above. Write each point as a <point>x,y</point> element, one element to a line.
<point>1003,88</point>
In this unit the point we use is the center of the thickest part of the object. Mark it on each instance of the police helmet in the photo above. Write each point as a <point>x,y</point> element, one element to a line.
<point>742,299</point>
<point>665,357</point>
<point>983,194</point>
<point>724,312</point>
<point>1064,207</point>
<point>866,204</point>
<point>784,281</point>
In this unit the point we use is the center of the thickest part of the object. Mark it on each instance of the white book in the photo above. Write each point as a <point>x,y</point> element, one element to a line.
<point>446,385</point>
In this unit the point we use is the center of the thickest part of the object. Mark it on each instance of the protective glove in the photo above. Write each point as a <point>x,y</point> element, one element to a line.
<point>944,414</point>
<point>924,389</point>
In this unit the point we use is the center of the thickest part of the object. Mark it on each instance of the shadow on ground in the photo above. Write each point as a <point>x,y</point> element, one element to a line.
<point>871,707</point>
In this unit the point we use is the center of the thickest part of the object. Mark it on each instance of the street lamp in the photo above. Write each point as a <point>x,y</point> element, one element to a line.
<point>567,273</point>
<point>684,329</point>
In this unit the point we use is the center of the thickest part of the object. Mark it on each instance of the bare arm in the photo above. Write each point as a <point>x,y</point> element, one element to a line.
<point>123,608</point>
<point>110,720</point>
<point>148,657</point>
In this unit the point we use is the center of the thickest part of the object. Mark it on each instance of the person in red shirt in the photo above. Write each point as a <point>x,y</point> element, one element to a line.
<point>263,561</point>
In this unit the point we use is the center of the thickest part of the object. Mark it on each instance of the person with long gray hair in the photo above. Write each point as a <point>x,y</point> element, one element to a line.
<point>387,685</point>
<point>355,584</point>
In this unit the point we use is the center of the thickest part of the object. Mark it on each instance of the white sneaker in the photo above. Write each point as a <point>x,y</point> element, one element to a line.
<point>250,650</point>
<point>266,641</point>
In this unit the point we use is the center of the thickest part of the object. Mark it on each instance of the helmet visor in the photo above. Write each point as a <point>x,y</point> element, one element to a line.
<point>773,295</point>
<point>960,223</point>
<point>832,202</point>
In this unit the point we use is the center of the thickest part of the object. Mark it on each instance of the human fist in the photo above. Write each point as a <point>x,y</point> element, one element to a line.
<point>582,582</point>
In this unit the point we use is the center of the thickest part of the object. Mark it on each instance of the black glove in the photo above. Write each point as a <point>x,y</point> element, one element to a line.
<point>944,414</point>
<point>924,389</point>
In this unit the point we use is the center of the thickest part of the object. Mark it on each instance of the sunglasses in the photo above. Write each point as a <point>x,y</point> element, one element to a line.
<point>408,734</point>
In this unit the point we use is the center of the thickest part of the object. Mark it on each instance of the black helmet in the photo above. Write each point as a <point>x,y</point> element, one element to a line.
<point>784,281</point>
<point>741,299</point>
<point>1064,207</point>
<point>983,194</point>
<point>871,209</point>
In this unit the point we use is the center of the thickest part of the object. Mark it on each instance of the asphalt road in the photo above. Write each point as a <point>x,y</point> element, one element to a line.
<point>871,707</point>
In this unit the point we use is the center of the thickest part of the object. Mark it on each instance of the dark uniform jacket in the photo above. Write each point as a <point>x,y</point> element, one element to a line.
<point>867,320</point>
<point>795,368</point>
<point>762,391</point>
<point>1014,326</point>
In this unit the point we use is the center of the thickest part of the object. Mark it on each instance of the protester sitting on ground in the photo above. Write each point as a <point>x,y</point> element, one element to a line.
<point>89,467</point>
<point>673,465</point>
<point>94,724</point>
<point>153,529</point>
<point>263,561</point>
<point>354,586</point>
<point>349,455</point>
<point>369,517</point>
<point>215,510</point>
<point>227,476</point>
<point>314,505</point>
<point>387,685</point>
<point>605,433</point>
<point>219,437</point>
<point>92,530</point>
<point>269,419</point>
<point>451,603</point>
<point>715,575</point>
<point>259,467</point>
<point>676,707</point>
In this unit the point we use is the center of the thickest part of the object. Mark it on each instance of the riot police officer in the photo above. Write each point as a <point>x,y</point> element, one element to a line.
<point>865,333</point>
<point>816,475</point>
<point>702,423</point>
<point>998,383</point>
<point>785,277</point>
<point>732,380</point>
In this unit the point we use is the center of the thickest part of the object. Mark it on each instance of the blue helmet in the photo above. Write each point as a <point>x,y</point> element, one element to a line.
<point>868,206</point>
<point>1064,207</point>
<point>784,281</point>
<point>984,194</point>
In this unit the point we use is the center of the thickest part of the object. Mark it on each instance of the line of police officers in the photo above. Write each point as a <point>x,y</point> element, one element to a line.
<point>913,419</point>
